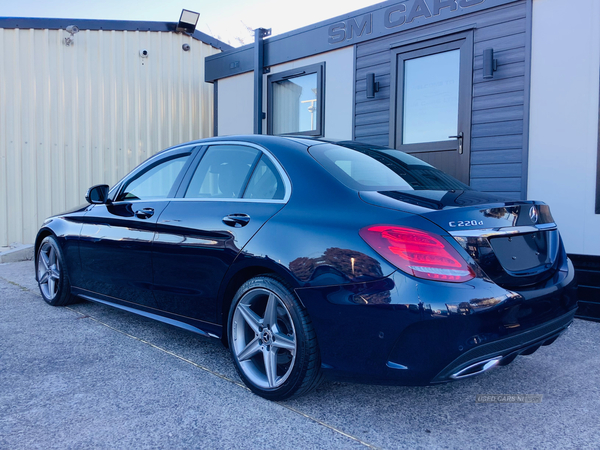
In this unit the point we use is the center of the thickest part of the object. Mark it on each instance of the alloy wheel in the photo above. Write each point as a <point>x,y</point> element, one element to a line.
<point>263,338</point>
<point>48,267</point>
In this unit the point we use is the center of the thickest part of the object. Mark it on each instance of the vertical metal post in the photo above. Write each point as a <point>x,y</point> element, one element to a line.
<point>259,35</point>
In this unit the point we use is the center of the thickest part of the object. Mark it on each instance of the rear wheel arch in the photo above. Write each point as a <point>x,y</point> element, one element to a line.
<point>235,281</point>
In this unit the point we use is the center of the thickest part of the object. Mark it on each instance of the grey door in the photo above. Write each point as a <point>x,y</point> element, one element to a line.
<point>431,115</point>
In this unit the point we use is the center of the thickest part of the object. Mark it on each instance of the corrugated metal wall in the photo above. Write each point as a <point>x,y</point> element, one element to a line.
<point>79,115</point>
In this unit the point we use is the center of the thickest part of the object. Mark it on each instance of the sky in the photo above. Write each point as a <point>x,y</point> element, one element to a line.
<point>228,20</point>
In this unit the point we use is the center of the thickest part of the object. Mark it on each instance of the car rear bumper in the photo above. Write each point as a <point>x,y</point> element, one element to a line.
<point>400,330</point>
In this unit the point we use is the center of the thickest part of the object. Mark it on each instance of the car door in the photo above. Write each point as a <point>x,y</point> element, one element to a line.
<point>116,238</point>
<point>233,191</point>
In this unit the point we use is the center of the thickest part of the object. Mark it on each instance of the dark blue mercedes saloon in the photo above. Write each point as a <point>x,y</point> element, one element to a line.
<point>312,258</point>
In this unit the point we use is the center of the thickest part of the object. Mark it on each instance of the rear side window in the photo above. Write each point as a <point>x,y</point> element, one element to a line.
<point>223,172</point>
<point>371,168</point>
<point>265,184</point>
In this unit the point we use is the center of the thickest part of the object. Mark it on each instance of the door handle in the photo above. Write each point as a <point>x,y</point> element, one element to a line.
<point>460,141</point>
<point>145,213</point>
<point>236,220</point>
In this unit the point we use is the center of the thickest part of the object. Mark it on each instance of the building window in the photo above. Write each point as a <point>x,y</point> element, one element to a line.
<point>295,101</point>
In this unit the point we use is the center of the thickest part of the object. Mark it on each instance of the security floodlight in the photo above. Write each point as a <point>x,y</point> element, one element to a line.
<point>187,21</point>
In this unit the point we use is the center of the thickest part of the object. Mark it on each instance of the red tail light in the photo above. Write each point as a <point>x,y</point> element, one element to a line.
<point>418,253</point>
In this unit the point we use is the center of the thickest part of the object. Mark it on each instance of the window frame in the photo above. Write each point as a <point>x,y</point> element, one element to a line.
<point>319,69</point>
<point>191,170</point>
<point>458,41</point>
<point>152,162</point>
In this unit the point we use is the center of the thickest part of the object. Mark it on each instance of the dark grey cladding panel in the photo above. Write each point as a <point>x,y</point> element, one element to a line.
<point>496,142</point>
<point>369,130</point>
<point>516,84</point>
<point>504,71</point>
<point>510,98</point>
<point>227,64</point>
<point>382,19</point>
<point>373,117</point>
<point>500,44</point>
<point>381,139</point>
<point>383,93</point>
<point>498,114</point>
<point>509,170</point>
<point>497,129</point>
<point>369,107</point>
<point>378,70</point>
<point>497,184</point>
<point>496,156</point>
<point>504,57</point>
<point>383,80</point>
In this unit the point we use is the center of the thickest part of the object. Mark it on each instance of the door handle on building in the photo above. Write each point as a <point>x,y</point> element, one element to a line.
<point>460,141</point>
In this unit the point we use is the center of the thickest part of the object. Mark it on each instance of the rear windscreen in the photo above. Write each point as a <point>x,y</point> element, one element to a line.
<point>373,168</point>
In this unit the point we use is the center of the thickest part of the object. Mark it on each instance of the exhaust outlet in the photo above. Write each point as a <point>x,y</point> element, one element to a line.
<point>477,368</point>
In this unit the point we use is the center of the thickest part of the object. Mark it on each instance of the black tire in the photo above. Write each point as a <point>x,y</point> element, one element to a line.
<point>51,274</point>
<point>269,328</point>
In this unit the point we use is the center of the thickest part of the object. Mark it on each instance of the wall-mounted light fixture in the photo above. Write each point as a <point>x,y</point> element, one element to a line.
<point>187,21</point>
<point>489,63</point>
<point>71,29</point>
<point>372,85</point>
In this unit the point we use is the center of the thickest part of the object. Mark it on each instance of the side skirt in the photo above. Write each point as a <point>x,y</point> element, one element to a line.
<point>159,317</point>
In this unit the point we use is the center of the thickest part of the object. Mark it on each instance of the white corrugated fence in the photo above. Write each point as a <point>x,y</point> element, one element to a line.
<point>72,116</point>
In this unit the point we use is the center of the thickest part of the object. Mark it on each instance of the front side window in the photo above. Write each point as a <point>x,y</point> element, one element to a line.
<point>156,182</point>
<point>295,101</point>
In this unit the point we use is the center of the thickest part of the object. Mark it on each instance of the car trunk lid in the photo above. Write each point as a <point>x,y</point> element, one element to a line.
<point>516,243</point>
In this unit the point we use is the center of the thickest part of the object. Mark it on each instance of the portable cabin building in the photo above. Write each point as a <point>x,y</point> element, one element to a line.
<point>502,94</point>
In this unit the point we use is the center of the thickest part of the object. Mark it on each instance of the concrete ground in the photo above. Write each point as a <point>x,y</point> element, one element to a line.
<point>89,376</point>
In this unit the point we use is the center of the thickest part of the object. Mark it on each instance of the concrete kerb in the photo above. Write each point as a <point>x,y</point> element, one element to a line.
<point>15,253</point>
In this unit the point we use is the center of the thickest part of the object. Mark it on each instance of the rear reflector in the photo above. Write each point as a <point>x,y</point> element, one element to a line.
<point>418,253</point>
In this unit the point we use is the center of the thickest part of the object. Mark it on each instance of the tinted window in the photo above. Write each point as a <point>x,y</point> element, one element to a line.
<point>372,168</point>
<point>156,182</point>
<point>265,184</point>
<point>223,172</point>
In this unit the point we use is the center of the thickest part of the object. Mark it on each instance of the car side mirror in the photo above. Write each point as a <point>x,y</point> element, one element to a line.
<point>97,195</point>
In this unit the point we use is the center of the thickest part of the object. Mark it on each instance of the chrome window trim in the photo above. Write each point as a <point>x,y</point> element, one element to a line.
<point>282,174</point>
<point>145,200</point>
<point>228,200</point>
<point>507,231</point>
